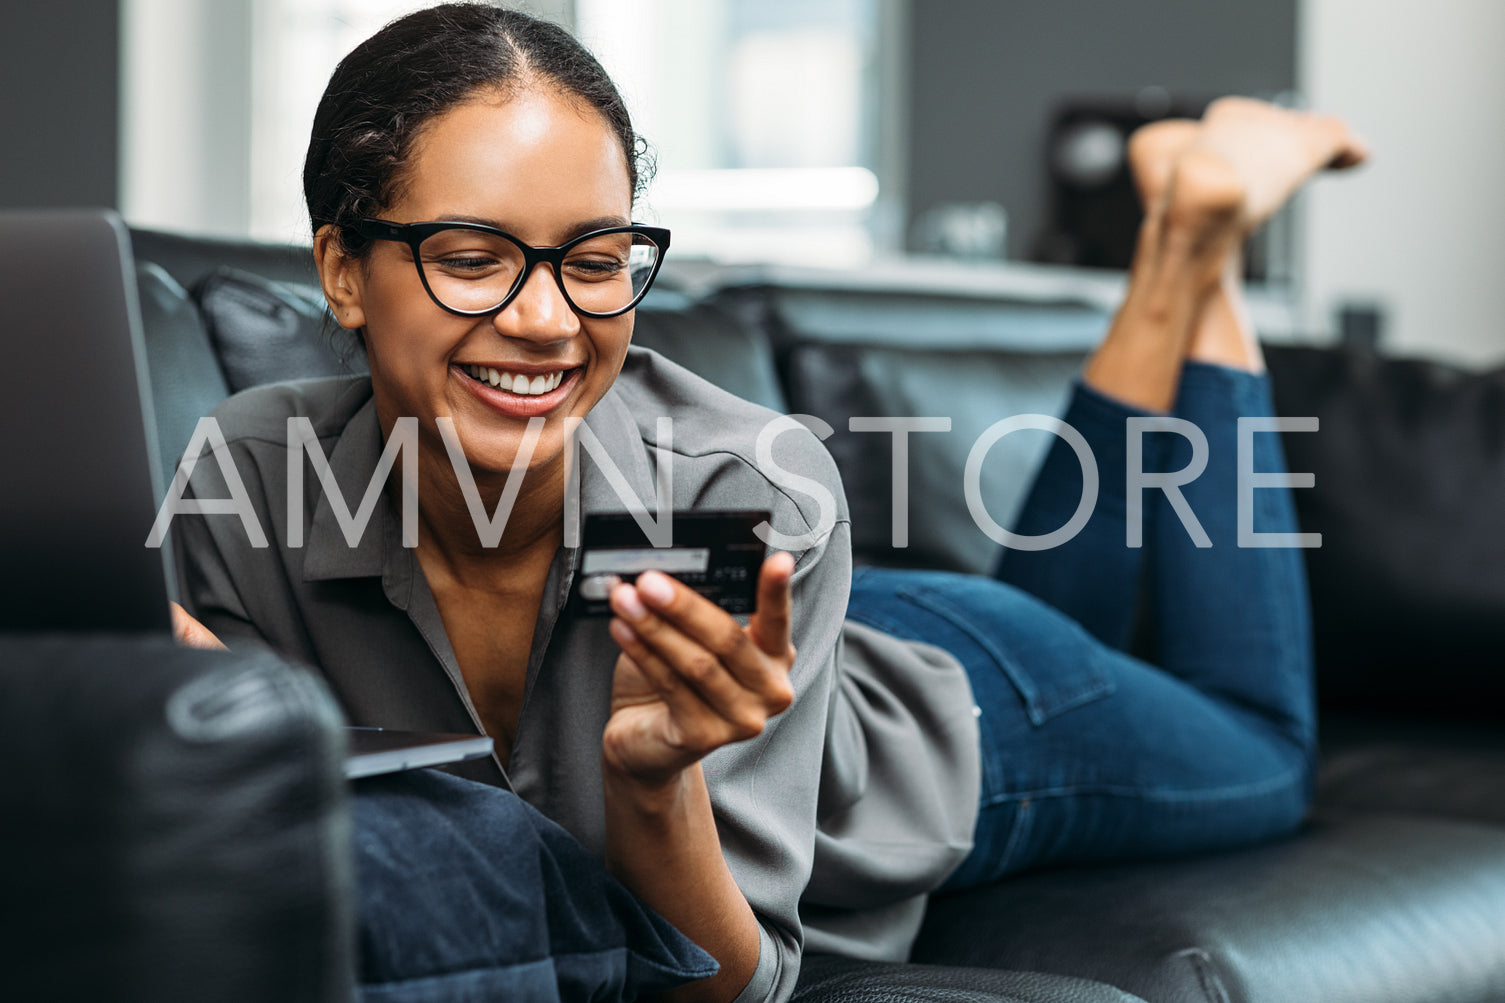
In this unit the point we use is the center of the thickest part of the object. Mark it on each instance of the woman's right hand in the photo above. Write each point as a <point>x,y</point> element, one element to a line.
<point>690,679</point>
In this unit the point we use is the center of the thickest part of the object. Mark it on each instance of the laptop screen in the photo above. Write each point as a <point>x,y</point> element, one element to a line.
<point>77,457</point>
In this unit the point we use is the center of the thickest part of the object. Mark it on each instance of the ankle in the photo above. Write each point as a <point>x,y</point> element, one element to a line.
<point>1224,334</point>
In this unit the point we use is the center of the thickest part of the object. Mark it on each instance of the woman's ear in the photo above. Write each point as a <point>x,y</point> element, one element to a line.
<point>339,275</point>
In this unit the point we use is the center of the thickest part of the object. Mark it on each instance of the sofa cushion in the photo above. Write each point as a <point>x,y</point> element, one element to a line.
<point>974,388</point>
<point>185,377</point>
<point>1354,909</point>
<point>710,342</point>
<point>1410,484</point>
<point>189,259</point>
<point>265,331</point>
<point>1447,768</point>
<point>503,905</point>
<point>830,979</point>
<point>175,825</point>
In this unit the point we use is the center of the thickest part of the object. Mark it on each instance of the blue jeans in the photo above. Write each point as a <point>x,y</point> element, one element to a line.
<point>1089,753</point>
<point>466,892</point>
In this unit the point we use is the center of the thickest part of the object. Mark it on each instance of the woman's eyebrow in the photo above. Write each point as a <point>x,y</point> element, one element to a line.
<point>585,226</point>
<point>599,223</point>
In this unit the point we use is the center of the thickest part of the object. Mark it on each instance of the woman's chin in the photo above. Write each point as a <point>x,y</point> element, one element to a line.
<point>493,455</point>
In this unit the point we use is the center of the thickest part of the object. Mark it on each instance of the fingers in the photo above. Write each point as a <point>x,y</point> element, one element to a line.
<point>190,633</point>
<point>709,709</point>
<point>705,648</point>
<point>769,626</point>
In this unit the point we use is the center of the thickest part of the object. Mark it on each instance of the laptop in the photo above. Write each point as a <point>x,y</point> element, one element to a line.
<point>78,459</point>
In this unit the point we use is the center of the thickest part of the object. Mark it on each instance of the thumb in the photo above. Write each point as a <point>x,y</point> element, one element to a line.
<point>769,626</point>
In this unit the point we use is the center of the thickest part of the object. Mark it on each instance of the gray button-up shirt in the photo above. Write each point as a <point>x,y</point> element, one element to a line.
<point>868,781</point>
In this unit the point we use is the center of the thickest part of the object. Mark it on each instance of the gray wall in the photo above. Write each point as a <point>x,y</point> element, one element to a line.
<point>59,77</point>
<point>985,75</point>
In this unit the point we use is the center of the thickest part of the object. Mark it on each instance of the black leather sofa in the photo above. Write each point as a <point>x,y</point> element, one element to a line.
<point>1394,890</point>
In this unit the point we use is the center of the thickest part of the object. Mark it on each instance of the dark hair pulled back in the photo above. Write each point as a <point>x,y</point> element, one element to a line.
<point>394,83</point>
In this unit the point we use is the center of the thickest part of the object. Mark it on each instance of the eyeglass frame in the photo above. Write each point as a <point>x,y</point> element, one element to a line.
<point>414,234</point>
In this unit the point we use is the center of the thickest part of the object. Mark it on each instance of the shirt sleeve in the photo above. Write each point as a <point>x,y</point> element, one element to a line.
<point>764,792</point>
<point>214,552</point>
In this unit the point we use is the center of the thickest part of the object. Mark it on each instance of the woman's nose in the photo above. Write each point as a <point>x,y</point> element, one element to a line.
<point>539,312</point>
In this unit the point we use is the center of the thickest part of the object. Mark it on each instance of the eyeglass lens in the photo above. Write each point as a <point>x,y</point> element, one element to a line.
<point>472,271</point>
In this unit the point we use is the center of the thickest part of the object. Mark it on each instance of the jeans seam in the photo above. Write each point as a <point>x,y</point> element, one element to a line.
<point>1228,792</point>
<point>1024,821</point>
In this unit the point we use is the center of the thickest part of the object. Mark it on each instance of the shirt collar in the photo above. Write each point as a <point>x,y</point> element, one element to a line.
<point>352,461</point>
<point>613,424</point>
<point>359,447</point>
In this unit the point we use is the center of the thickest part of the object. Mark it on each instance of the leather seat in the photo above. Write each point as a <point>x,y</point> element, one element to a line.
<point>1366,908</point>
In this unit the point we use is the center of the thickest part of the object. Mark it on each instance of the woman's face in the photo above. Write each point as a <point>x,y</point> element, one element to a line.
<point>545,169</point>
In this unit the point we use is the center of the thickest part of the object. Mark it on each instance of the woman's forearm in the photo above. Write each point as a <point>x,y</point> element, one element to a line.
<point>662,844</point>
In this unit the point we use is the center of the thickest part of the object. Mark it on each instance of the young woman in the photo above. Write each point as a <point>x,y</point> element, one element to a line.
<point>805,779</point>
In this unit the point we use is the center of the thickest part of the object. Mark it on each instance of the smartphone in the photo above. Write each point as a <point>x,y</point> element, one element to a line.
<point>716,553</point>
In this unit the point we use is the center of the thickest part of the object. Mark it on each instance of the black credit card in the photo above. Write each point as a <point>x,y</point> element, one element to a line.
<point>716,553</point>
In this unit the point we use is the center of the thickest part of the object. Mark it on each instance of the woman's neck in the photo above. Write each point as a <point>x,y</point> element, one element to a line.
<point>448,531</point>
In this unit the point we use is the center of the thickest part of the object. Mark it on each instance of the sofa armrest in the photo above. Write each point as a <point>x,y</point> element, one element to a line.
<point>175,825</point>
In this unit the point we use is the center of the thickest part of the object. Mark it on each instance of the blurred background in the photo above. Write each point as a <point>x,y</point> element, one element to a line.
<point>839,133</point>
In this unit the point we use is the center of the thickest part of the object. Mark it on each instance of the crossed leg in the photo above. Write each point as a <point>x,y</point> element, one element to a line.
<point>1206,186</point>
<point>1089,753</point>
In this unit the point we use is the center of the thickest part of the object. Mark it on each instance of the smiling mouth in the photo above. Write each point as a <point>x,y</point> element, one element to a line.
<point>521,384</point>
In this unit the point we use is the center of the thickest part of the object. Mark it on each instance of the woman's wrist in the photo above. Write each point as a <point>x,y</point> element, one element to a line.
<point>662,797</point>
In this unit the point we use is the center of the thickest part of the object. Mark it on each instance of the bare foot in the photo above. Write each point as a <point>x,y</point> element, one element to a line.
<point>1208,198</point>
<point>1268,150</point>
<point>1212,183</point>
<point>1153,151</point>
<point>1192,204</point>
<point>1205,186</point>
<point>1274,150</point>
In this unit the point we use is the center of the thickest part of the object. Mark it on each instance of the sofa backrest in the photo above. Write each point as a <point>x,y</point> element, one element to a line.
<point>222,316</point>
<point>1408,587</point>
<point>1410,459</point>
<point>189,259</point>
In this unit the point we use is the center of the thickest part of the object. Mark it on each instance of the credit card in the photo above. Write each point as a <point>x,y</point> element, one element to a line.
<point>715,553</point>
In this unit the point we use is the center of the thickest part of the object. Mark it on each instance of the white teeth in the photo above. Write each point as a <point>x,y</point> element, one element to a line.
<point>519,383</point>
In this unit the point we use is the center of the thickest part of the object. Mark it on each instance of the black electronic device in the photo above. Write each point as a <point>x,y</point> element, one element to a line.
<point>79,455</point>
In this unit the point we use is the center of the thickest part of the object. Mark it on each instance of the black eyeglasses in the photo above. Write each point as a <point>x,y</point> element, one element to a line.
<point>474,270</point>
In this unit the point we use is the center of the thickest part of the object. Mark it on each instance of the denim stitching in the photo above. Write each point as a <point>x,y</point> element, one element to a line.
<point>1268,785</point>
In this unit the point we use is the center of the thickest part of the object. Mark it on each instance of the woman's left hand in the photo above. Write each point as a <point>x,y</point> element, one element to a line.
<point>189,633</point>
<point>690,678</point>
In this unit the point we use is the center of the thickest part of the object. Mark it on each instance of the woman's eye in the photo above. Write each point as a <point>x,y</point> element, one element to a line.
<point>594,268</point>
<point>467,263</point>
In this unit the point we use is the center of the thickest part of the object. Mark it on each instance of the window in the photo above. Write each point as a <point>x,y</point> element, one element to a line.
<point>764,114</point>
<point>295,46</point>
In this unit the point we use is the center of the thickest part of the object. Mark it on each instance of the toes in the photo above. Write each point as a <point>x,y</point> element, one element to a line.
<point>1235,107</point>
<point>1343,147</point>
